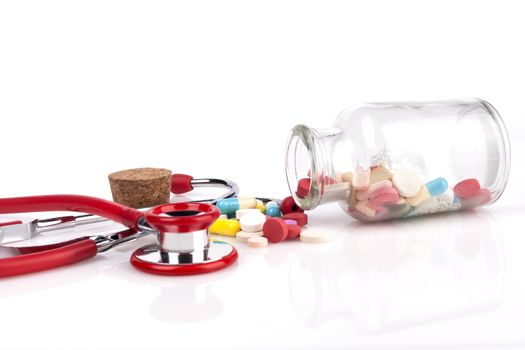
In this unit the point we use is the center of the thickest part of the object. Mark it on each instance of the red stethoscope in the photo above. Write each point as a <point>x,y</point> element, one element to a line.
<point>183,246</point>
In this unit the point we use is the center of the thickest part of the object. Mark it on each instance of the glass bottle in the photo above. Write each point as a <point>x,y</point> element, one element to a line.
<point>401,159</point>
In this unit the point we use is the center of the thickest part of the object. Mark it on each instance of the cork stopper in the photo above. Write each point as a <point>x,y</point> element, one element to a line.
<point>141,188</point>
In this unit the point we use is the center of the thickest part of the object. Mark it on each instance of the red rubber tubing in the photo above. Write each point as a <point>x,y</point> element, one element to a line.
<point>48,259</point>
<point>10,223</point>
<point>67,202</point>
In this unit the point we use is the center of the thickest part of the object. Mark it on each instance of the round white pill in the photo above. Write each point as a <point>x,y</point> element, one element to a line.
<point>241,212</point>
<point>252,222</point>
<point>258,242</point>
<point>315,236</point>
<point>243,237</point>
<point>406,182</point>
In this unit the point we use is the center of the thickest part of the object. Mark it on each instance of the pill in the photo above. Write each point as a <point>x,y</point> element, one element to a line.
<point>294,230</point>
<point>362,195</point>
<point>241,212</point>
<point>231,205</point>
<point>225,227</point>
<point>244,236</point>
<point>379,185</point>
<point>272,209</point>
<point>385,190</point>
<point>406,182</point>
<point>385,197</point>
<point>252,222</point>
<point>380,173</point>
<point>288,205</point>
<point>348,176</point>
<point>275,229</point>
<point>481,198</point>
<point>352,200</point>
<point>420,197</point>
<point>437,186</point>
<point>327,180</point>
<point>361,179</point>
<point>260,205</point>
<point>467,188</point>
<point>303,188</point>
<point>257,242</point>
<point>365,208</point>
<point>315,236</point>
<point>300,218</point>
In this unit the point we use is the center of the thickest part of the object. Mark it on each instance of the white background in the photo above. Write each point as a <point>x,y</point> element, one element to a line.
<point>212,88</point>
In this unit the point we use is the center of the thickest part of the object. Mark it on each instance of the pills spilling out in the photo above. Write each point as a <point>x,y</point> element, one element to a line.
<point>225,227</point>
<point>231,205</point>
<point>243,237</point>
<point>252,222</point>
<point>241,212</point>
<point>272,209</point>
<point>257,242</point>
<point>315,236</point>
<point>275,222</point>
<point>288,206</point>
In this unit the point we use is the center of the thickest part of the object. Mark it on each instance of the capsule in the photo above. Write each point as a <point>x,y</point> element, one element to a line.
<point>437,186</point>
<point>225,227</point>
<point>231,205</point>
<point>260,205</point>
<point>272,209</point>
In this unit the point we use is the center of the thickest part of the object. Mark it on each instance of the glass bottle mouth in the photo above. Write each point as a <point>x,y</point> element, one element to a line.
<point>307,166</point>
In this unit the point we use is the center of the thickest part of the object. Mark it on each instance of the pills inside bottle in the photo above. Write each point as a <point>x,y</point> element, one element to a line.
<point>390,160</point>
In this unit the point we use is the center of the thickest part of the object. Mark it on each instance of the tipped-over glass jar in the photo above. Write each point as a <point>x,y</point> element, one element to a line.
<point>401,159</point>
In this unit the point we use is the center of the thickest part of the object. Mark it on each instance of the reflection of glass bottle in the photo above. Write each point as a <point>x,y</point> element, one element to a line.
<point>389,160</point>
<point>407,273</point>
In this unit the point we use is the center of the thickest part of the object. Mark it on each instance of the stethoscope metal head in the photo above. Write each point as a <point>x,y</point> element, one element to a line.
<point>183,246</point>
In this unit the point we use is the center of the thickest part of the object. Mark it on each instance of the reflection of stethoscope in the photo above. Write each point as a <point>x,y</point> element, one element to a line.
<point>183,246</point>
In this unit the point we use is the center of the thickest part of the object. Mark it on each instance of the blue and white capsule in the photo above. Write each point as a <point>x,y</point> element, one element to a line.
<point>437,186</point>
<point>272,209</point>
<point>229,206</point>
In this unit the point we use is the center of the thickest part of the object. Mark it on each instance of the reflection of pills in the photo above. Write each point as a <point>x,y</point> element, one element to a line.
<point>315,236</point>
<point>257,242</point>
<point>243,237</point>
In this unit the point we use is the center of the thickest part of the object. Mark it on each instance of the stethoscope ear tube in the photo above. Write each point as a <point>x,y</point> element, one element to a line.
<point>182,183</point>
<point>128,217</point>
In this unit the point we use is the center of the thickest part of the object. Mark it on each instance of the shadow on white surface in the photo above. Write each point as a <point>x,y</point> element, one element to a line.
<point>396,275</point>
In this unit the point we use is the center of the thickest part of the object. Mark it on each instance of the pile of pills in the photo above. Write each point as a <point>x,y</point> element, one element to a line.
<point>255,223</point>
<point>379,193</point>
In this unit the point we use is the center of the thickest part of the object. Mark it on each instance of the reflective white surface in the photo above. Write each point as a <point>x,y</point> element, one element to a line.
<point>212,88</point>
<point>453,280</point>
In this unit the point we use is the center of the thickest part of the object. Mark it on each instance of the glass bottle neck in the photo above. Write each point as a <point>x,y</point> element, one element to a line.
<point>309,166</point>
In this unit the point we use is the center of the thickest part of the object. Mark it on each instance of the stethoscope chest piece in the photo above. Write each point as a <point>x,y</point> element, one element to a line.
<point>183,246</point>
